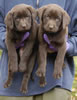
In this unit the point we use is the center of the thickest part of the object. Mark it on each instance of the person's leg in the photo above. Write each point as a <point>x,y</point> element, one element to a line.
<point>54,94</point>
<point>15,98</point>
<point>38,97</point>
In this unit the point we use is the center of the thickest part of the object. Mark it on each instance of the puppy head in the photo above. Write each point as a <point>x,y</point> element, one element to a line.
<point>53,17</point>
<point>20,17</point>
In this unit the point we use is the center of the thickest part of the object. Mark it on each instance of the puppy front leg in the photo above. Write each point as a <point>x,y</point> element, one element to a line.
<point>12,55</point>
<point>25,56</point>
<point>42,58</point>
<point>27,74</point>
<point>9,80</point>
<point>59,62</point>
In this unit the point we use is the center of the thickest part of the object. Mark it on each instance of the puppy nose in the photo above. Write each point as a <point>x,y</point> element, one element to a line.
<point>51,26</point>
<point>24,25</point>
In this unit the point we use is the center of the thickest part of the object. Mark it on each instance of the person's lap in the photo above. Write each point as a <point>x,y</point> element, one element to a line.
<point>54,94</point>
<point>57,94</point>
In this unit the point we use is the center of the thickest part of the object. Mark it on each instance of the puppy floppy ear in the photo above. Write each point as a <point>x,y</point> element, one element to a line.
<point>33,11</point>
<point>66,19</point>
<point>40,12</point>
<point>9,20</point>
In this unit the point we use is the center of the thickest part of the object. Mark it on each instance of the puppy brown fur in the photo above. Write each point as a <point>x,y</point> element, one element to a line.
<point>54,22</point>
<point>19,20</point>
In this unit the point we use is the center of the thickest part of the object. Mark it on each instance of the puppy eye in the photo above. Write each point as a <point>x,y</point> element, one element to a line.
<point>57,20</point>
<point>17,19</point>
<point>27,16</point>
<point>47,17</point>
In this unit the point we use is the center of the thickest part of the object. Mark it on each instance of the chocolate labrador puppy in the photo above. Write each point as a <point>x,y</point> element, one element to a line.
<point>53,29</point>
<point>21,29</point>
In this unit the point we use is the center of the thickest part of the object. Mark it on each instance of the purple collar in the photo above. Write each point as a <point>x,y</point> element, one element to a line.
<point>45,37</point>
<point>21,44</point>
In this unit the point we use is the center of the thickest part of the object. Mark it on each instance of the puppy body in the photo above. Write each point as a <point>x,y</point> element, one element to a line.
<point>54,23</point>
<point>19,20</point>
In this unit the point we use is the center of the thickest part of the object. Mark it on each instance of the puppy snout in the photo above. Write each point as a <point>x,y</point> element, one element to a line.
<point>51,27</point>
<point>24,26</point>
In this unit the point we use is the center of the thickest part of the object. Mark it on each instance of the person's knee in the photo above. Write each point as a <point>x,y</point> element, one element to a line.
<point>57,94</point>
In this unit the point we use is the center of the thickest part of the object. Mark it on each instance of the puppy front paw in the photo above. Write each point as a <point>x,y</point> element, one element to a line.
<point>40,72</point>
<point>57,73</point>
<point>42,81</point>
<point>7,83</point>
<point>23,89</point>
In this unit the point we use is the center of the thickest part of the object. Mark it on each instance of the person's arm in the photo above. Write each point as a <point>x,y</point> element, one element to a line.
<point>71,8</point>
<point>2,26</point>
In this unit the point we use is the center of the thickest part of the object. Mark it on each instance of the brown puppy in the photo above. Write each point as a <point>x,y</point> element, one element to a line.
<point>53,24</point>
<point>19,21</point>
